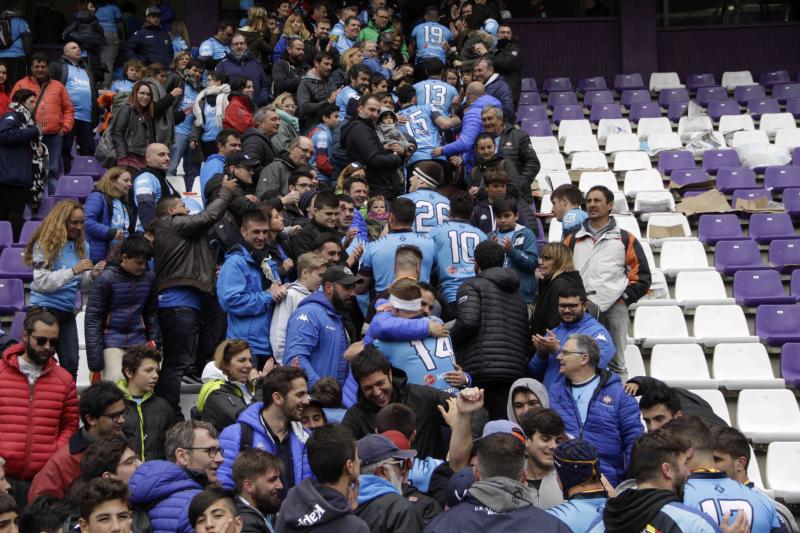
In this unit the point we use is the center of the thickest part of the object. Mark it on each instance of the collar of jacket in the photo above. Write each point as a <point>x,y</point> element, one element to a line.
<point>79,441</point>
<point>160,174</point>
<point>80,64</point>
<point>13,353</point>
<point>612,230</point>
<point>605,377</point>
<point>399,382</point>
<point>492,79</point>
<point>575,325</point>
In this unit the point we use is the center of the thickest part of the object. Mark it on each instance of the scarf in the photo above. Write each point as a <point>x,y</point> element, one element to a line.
<point>39,155</point>
<point>221,92</point>
<point>189,80</point>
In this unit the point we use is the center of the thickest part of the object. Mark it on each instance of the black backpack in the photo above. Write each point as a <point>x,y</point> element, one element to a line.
<point>6,37</point>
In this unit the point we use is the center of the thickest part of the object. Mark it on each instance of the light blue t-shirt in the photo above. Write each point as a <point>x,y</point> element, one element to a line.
<point>79,89</point>
<point>178,44</point>
<point>120,219</point>
<point>573,218</point>
<point>378,259</point>
<point>210,127</point>
<point>455,254</point>
<point>181,297</point>
<point>429,38</point>
<point>18,27</point>
<point>213,48</point>
<point>63,298</point>
<point>343,97</point>
<point>433,209</point>
<point>108,15</point>
<point>582,394</point>
<point>580,511</point>
<point>343,44</point>
<point>436,93</point>
<point>122,86</point>
<point>215,164</point>
<point>189,96</point>
<point>422,128</point>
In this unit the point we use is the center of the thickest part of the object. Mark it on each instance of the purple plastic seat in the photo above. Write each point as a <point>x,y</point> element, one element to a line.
<point>633,96</point>
<point>532,112</point>
<point>670,160</point>
<point>537,128</point>
<point>784,254</point>
<point>711,94</point>
<point>783,91</point>
<point>793,107</point>
<point>639,110</point>
<point>796,156</point>
<point>27,230</point>
<point>529,98</point>
<point>6,234</point>
<point>759,106</point>
<point>12,264</point>
<point>778,324</point>
<point>790,364</point>
<point>601,96</point>
<point>17,325</point>
<point>774,77</point>
<point>730,179</point>
<point>794,284</point>
<point>791,200</point>
<point>561,98</point>
<point>567,112</point>
<point>696,81</point>
<point>745,93</point>
<point>721,108</point>
<point>594,83</point>
<point>694,192</point>
<point>780,178</point>
<point>12,296</point>
<point>749,194</point>
<point>601,111</point>
<point>676,110</point>
<point>74,186</point>
<point>732,256</point>
<point>713,160</point>
<point>47,205</point>
<point>556,84</point>
<point>528,85</point>
<point>756,287</point>
<point>716,227</point>
<point>87,165</point>
<point>765,227</point>
<point>689,176</point>
<point>670,96</point>
<point>624,82</point>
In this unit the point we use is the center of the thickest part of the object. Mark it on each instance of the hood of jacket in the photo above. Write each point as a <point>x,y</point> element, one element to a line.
<point>310,505</point>
<point>320,299</point>
<point>311,75</point>
<point>14,352</point>
<point>505,278</point>
<point>372,487</point>
<point>355,123</point>
<point>501,494</point>
<point>156,480</point>
<point>123,386</point>
<point>532,385</point>
<point>634,509</point>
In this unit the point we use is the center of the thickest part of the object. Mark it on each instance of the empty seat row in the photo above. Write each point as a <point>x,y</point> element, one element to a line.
<point>763,227</point>
<point>713,324</point>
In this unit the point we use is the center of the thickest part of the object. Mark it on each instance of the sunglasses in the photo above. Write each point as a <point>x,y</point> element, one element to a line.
<point>44,341</point>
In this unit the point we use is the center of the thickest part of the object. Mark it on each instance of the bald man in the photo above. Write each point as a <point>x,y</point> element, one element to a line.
<point>472,124</point>
<point>73,72</point>
<point>151,185</point>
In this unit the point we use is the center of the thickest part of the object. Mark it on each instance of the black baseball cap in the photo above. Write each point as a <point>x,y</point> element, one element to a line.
<point>240,159</point>
<point>340,274</point>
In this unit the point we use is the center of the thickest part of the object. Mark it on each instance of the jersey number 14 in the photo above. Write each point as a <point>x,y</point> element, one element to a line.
<point>443,350</point>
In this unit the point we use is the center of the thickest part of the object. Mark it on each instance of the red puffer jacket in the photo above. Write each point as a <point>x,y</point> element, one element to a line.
<point>37,420</point>
<point>239,113</point>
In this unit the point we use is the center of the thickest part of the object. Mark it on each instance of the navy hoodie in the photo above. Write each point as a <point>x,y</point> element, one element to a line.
<point>311,506</point>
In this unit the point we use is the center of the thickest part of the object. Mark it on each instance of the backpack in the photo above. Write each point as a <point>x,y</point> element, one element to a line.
<point>6,37</point>
<point>105,153</point>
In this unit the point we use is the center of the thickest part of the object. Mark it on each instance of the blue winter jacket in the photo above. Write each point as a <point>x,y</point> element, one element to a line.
<point>612,423</point>
<point>230,441</point>
<point>99,231</point>
<point>523,258</point>
<point>361,225</point>
<point>165,490</point>
<point>500,89</point>
<point>471,126</point>
<point>242,297</point>
<point>316,335</point>
<point>546,370</point>
<point>15,151</point>
<point>249,67</point>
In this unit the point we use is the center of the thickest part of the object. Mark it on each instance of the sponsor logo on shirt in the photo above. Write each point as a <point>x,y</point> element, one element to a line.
<point>303,317</point>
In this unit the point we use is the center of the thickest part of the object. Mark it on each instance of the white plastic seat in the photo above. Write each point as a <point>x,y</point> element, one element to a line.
<point>609,126</point>
<point>681,365</point>
<point>590,179</point>
<point>677,256</point>
<point>767,415</point>
<point>733,79</point>
<point>714,324</point>
<point>619,142</point>
<point>547,205</point>
<point>589,161</point>
<point>740,138</point>
<point>717,402</point>
<point>664,141</point>
<point>573,127</point>
<point>551,162</point>
<point>729,123</point>
<point>664,80</point>
<point>642,180</point>
<point>580,143</point>
<point>649,126</point>
<point>555,231</point>
<point>783,470</point>
<point>660,324</point>
<point>754,473</point>
<point>545,145</point>
<point>740,366</point>
<point>667,220</point>
<point>84,376</point>
<point>633,361</point>
<point>649,202</point>
<point>687,126</point>
<point>633,160</point>
<point>552,179</point>
<point>701,288</point>
<point>629,223</point>
<point>772,122</point>
<point>620,204</point>
<point>787,138</point>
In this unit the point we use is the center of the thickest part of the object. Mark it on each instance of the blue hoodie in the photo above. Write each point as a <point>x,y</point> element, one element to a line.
<point>371,487</point>
<point>215,164</point>
<point>316,335</point>
<point>471,126</point>
<point>165,490</point>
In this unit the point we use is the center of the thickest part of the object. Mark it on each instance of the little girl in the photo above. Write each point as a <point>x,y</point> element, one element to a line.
<point>377,217</point>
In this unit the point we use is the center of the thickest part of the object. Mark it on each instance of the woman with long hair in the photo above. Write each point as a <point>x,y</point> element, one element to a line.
<point>179,65</point>
<point>293,27</point>
<point>133,129</point>
<point>58,252</point>
<point>222,399</point>
<point>180,37</point>
<point>556,271</point>
<point>351,170</point>
<point>286,107</point>
<point>352,57</point>
<point>110,213</point>
<point>260,38</point>
<point>241,106</point>
<point>5,95</point>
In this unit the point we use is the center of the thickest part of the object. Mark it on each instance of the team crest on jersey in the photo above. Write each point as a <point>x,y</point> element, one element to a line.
<point>608,400</point>
<point>429,379</point>
<point>451,270</point>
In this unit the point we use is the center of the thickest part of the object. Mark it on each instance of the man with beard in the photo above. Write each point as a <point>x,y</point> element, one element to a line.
<point>359,76</point>
<point>544,430</point>
<point>286,71</point>
<point>258,486</point>
<point>659,466</point>
<point>239,63</point>
<point>507,59</point>
<point>274,426</point>
<point>316,88</point>
<point>319,331</point>
<point>50,414</point>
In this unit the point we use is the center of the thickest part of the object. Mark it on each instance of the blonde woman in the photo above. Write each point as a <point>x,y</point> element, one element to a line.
<point>286,107</point>
<point>58,253</point>
<point>260,39</point>
<point>293,27</point>
<point>352,57</point>
<point>352,170</point>
<point>110,215</point>
<point>556,271</point>
<point>180,37</point>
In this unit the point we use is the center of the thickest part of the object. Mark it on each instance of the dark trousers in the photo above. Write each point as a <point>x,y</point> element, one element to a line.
<point>54,143</point>
<point>181,326</point>
<point>12,206</point>
<point>68,343</point>
<point>19,490</point>
<point>495,398</point>
<point>82,133</point>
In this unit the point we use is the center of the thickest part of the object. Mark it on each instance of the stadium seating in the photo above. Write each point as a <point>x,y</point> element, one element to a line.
<point>681,365</point>
<point>530,98</point>
<point>689,176</point>
<point>556,84</point>
<point>573,127</point>
<point>599,96</point>
<point>590,161</point>
<point>634,96</point>
<point>608,126</point>
<point>790,363</point>
<point>765,227</point>
<point>605,111</point>
<point>706,95</point>
<point>696,81</point>
<point>537,128</point>
<point>677,223</point>
<point>777,324</point>
<point>784,254</point>
<point>12,265</point>
<point>780,178</point>
<point>567,112</point>
<point>720,108</point>
<point>740,138</point>
<point>755,287</point>
<point>624,82</point>
<point>744,93</point>
<point>674,160</point>
<point>749,194</point>
<point>782,92</point>
<point>735,122</point>
<point>772,122</point>
<point>529,85</point>
<point>760,106</point>
<point>676,111</point>
<point>642,180</point>
<point>640,110</point>
<point>597,83</point>
<point>561,98</point>
<point>783,470</point>
<point>670,96</point>
<point>12,296</point>
<point>660,324</point>
<point>88,166</point>
<point>788,138</point>
<point>590,179</point>
<point>732,256</point>
<point>689,126</point>
<point>714,160</point>
<point>731,178</point>
<point>700,288</point>
<point>774,77</point>
<point>664,80</point>
<point>532,112</point>
<point>767,415</point>
<point>545,144</point>
<point>580,143</point>
<point>714,324</point>
<point>621,142</point>
<point>658,142</point>
<point>6,234</point>
<point>633,361</point>
<point>677,256</point>
<point>731,80</point>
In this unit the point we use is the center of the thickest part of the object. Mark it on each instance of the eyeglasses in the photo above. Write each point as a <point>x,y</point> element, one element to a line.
<point>44,341</point>
<point>115,417</point>
<point>568,306</point>
<point>570,352</point>
<point>212,451</point>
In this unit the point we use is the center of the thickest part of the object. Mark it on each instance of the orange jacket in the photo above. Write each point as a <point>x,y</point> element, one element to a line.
<point>55,113</point>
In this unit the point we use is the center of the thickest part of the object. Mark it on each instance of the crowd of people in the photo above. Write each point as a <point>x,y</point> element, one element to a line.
<point>357,282</point>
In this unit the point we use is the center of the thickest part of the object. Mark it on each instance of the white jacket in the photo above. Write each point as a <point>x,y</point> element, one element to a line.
<point>295,293</point>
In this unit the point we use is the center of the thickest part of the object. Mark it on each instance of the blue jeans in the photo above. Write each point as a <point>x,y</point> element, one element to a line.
<point>68,348</point>
<point>180,149</point>
<point>181,325</point>
<point>53,141</point>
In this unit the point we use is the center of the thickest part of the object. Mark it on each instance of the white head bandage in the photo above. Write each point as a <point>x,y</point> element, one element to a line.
<point>405,305</point>
<point>425,177</point>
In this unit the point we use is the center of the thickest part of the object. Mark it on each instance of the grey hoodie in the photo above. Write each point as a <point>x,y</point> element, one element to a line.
<point>501,494</point>
<point>532,385</point>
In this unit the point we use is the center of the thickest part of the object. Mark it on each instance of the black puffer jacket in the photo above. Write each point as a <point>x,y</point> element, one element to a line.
<point>257,145</point>
<point>146,423</point>
<point>507,59</point>
<point>545,314</point>
<point>515,146</point>
<point>85,30</point>
<point>361,141</point>
<point>491,334</point>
